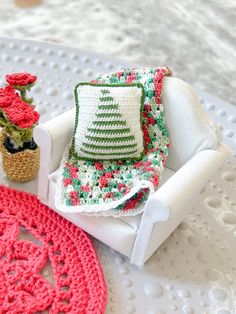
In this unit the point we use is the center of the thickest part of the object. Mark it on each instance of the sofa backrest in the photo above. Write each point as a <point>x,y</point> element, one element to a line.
<point>190,127</point>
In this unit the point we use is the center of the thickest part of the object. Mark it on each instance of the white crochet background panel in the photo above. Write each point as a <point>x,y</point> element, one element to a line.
<point>194,271</point>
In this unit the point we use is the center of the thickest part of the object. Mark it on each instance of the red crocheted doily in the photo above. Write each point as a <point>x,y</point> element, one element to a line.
<point>79,285</point>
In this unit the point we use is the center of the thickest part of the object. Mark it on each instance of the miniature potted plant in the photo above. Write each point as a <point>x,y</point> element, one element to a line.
<point>20,154</point>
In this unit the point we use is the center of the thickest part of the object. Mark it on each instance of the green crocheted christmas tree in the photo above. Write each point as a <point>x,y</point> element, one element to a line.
<point>110,133</point>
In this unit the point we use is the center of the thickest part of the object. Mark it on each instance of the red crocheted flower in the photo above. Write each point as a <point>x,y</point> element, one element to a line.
<point>7,95</point>
<point>21,114</point>
<point>20,79</point>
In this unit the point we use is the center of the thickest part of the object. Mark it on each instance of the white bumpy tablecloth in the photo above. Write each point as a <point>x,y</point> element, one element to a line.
<point>194,271</point>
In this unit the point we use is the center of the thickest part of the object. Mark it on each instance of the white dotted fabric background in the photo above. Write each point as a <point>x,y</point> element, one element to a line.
<point>194,271</point>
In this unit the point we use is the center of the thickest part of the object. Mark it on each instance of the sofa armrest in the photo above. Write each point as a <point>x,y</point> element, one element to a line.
<point>52,137</point>
<point>190,178</point>
<point>169,203</point>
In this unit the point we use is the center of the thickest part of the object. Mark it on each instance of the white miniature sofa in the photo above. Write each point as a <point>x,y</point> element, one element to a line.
<point>196,153</point>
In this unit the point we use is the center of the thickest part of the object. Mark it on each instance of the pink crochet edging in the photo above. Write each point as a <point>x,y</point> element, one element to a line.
<point>79,285</point>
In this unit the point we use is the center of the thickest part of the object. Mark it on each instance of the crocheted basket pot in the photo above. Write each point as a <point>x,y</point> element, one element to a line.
<point>21,166</point>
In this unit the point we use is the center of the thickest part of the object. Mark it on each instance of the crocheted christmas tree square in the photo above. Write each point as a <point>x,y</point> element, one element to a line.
<point>108,122</point>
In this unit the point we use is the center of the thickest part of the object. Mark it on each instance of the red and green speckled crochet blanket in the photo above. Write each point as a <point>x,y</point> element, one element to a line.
<point>119,188</point>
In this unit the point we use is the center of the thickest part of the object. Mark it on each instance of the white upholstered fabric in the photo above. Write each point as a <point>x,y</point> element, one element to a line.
<point>191,129</point>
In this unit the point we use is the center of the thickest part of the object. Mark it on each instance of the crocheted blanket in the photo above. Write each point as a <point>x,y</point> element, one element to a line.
<point>74,283</point>
<point>119,188</point>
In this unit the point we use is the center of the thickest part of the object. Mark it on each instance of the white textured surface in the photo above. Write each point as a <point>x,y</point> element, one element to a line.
<point>194,271</point>
<point>195,39</point>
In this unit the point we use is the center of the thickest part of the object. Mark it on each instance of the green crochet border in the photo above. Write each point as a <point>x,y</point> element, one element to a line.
<point>73,153</point>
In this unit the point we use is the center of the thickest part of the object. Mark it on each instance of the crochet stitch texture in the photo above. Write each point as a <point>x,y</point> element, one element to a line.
<point>119,187</point>
<point>79,285</point>
<point>108,121</point>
